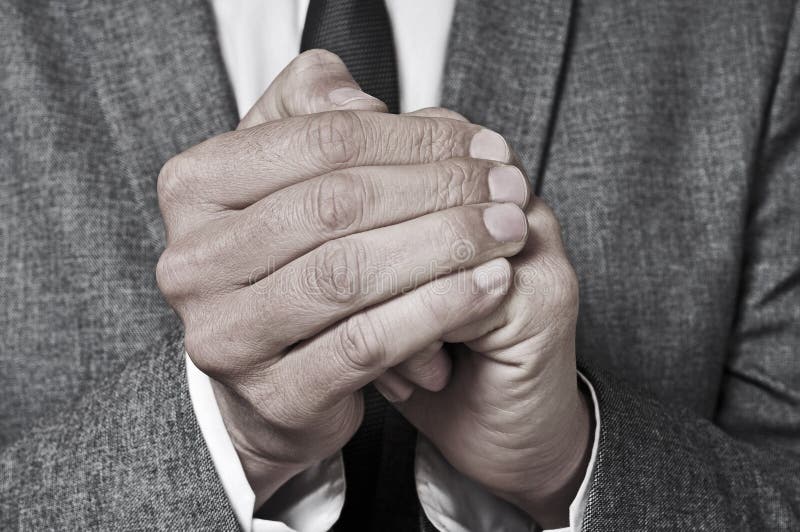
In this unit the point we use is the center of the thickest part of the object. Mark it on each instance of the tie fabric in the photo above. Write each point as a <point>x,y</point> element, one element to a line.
<point>379,459</point>
<point>360,32</point>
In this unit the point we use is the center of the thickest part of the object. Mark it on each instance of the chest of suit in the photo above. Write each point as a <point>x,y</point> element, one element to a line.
<point>644,156</point>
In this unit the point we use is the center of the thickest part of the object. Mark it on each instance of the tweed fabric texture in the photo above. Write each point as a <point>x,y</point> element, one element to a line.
<point>97,429</point>
<point>676,182</point>
<point>666,136</point>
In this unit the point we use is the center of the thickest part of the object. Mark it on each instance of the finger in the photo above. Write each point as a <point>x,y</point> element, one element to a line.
<point>393,387</point>
<point>236,169</point>
<point>471,331</point>
<point>543,303</point>
<point>429,369</point>
<point>441,112</point>
<point>356,351</point>
<point>346,275</point>
<point>299,218</point>
<point>315,81</point>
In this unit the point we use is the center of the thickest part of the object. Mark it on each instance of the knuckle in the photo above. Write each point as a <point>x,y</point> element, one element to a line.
<point>182,269</point>
<point>455,184</point>
<point>172,181</point>
<point>335,271</point>
<point>313,58</point>
<point>201,349</point>
<point>307,81</point>
<point>269,218</point>
<point>430,303</point>
<point>437,139</point>
<point>338,137</point>
<point>434,374</point>
<point>214,342</point>
<point>338,202</point>
<point>360,345</point>
<point>171,275</point>
<point>456,234</point>
<point>438,376</point>
<point>250,145</point>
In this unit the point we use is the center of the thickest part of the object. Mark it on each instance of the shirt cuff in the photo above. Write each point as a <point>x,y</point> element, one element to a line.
<point>454,502</point>
<point>309,502</point>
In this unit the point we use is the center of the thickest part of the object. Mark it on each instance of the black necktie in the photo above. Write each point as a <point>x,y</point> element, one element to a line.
<point>360,32</point>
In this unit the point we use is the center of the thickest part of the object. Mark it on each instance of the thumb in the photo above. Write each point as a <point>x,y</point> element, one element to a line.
<point>315,81</point>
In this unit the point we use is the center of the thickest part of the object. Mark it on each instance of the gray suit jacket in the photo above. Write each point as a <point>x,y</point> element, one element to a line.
<point>666,135</point>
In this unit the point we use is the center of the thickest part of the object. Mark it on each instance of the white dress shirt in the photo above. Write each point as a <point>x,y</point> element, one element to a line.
<point>258,38</point>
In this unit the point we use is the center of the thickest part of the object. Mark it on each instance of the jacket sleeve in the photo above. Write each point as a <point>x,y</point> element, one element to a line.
<point>663,469</point>
<point>128,456</point>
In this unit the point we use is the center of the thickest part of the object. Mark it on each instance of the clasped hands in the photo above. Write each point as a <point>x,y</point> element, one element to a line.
<point>326,244</point>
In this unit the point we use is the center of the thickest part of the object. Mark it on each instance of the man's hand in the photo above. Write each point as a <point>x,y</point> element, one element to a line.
<point>294,243</point>
<point>512,417</point>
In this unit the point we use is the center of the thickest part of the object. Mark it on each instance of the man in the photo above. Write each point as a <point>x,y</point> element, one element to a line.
<point>665,139</point>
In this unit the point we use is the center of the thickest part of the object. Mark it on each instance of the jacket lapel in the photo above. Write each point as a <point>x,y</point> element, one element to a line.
<point>503,69</point>
<point>161,86</point>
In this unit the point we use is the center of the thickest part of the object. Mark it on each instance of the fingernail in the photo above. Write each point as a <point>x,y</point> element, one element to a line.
<point>345,95</point>
<point>486,144</point>
<point>491,277</point>
<point>394,388</point>
<point>508,184</point>
<point>505,222</point>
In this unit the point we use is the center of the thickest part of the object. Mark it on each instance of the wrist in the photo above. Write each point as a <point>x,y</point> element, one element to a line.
<point>548,501</point>
<point>265,473</point>
<point>265,476</point>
